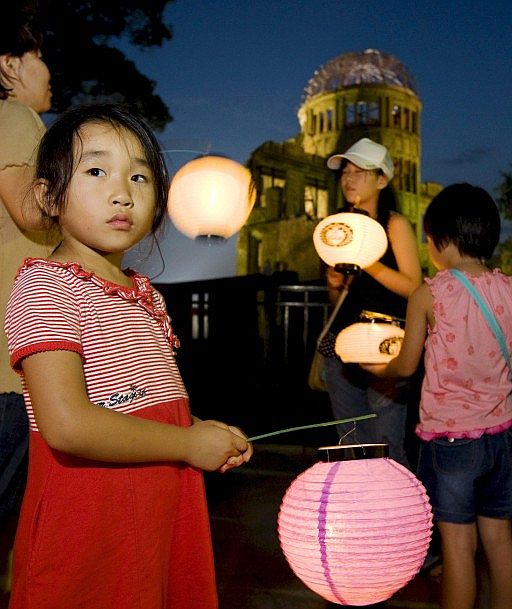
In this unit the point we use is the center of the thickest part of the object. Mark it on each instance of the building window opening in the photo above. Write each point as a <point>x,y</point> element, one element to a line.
<point>398,179</point>
<point>270,183</point>
<point>313,123</point>
<point>330,116</point>
<point>406,176</point>
<point>407,122</point>
<point>372,114</point>
<point>414,122</point>
<point>350,115</point>
<point>255,261</point>
<point>396,114</point>
<point>316,201</point>
<point>362,113</point>
<point>200,320</point>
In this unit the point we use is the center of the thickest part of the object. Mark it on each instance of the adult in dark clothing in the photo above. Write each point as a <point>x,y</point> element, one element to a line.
<point>366,170</point>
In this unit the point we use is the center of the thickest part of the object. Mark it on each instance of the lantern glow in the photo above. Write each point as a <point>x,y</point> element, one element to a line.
<point>210,198</point>
<point>349,238</point>
<point>355,531</point>
<point>370,342</point>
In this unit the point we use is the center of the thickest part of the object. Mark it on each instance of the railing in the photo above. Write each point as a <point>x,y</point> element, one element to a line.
<point>246,347</point>
<point>311,304</point>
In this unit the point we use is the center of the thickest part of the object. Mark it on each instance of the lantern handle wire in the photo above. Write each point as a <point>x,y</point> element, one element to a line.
<point>353,430</point>
<point>301,427</point>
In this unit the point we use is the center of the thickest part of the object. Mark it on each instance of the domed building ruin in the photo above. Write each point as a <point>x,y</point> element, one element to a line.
<point>360,94</point>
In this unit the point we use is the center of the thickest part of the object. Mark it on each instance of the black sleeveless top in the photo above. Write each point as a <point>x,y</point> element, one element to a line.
<point>367,294</point>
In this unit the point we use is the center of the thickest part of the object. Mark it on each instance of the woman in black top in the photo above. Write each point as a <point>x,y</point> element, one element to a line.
<point>365,171</point>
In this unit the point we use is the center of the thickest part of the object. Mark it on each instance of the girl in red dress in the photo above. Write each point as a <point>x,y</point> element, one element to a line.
<point>114,515</point>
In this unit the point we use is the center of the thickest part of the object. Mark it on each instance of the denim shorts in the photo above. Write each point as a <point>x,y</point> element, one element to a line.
<point>467,478</point>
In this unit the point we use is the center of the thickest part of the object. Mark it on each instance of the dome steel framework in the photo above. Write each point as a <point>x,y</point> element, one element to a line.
<point>363,67</point>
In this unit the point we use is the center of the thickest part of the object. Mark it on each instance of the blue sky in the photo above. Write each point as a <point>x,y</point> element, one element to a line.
<point>234,72</point>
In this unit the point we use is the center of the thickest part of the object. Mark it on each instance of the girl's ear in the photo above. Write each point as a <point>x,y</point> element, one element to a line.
<point>10,67</point>
<point>382,181</point>
<point>40,192</point>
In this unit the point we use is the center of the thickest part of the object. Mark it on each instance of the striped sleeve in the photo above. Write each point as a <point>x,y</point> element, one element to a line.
<point>42,315</point>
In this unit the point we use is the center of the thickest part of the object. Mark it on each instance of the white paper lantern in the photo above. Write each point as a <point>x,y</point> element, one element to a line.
<point>350,238</point>
<point>372,342</point>
<point>211,198</point>
<point>355,531</point>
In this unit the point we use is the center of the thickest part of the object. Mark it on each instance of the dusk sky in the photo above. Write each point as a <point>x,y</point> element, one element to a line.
<point>234,72</point>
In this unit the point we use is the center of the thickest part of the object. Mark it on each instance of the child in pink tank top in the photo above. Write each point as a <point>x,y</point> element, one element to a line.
<point>466,399</point>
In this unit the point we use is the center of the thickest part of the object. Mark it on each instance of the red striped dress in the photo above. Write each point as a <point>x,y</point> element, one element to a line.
<point>95,535</point>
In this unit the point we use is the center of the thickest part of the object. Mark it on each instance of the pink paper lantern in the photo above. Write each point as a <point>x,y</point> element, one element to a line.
<point>355,531</point>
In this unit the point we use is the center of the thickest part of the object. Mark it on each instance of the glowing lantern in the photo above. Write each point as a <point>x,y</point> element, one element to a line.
<point>210,198</point>
<point>375,341</point>
<point>349,239</point>
<point>355,531</point>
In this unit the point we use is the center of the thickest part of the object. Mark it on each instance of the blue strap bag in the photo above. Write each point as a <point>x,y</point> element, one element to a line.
<point>487,313</point>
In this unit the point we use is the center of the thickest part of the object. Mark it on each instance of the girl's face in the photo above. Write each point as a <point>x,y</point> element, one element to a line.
<point>110,202</point>
<point>31,85</point>
<point>361,186</point>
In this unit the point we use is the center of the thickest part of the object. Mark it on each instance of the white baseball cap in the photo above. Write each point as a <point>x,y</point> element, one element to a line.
<point>366,154</point>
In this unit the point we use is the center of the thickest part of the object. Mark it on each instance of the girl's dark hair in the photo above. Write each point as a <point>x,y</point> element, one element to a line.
<point>466,216</point>
<point>56,161</point>
<point>387,197</point>
<point>18,35</point>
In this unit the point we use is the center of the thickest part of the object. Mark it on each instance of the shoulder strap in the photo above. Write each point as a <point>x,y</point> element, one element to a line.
<point>487,313</point>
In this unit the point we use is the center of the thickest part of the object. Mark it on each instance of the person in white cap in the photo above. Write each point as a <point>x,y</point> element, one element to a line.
<point>365,171</point>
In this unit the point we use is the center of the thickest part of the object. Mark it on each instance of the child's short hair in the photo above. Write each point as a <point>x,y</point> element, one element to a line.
<point>56,163</point>
<point>466,216</point>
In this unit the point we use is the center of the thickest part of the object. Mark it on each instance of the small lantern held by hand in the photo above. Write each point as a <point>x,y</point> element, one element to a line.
<point>349,241</point>
<point>355,531</point>
<point>210,198</point>
<point>376,340</point>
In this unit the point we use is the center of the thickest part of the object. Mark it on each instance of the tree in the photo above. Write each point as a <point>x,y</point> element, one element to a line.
<point>504,192</point>
<point>80,49</point>
<point>504,200</point>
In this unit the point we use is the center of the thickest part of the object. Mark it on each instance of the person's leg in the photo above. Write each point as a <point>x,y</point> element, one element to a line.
<point>387,398</point>
<point>13,452</point>
<point>458,543</point>
<point>496,538</point>
<point>348,395</point>
<point>13,467</point>
<point>494,492</point>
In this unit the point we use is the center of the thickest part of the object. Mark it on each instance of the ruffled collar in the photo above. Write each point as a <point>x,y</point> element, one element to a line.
<point>141,291</point>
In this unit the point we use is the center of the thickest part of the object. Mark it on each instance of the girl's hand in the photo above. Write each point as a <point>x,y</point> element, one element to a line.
<point>242,458</point>
<point>211,445</point>
<point>376,369</point>
<point>335,280</point>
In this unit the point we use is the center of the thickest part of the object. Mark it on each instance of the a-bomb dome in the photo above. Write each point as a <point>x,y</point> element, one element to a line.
<point>353,69</point>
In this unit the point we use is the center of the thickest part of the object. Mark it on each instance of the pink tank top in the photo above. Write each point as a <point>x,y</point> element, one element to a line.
<point>467,386</point>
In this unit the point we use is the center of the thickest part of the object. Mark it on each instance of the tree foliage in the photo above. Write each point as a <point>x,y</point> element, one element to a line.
<point>503,257</point>
<point>504,192</point>
<point>81,49</point>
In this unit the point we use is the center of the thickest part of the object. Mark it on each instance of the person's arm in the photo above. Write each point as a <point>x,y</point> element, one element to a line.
<point>69,422</point>
<point>335,283</point>
<point>403,242</point>
<point>15,185</point>
<point>419,311</point>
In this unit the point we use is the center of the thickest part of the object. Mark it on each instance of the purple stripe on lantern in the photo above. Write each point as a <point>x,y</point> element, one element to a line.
<point>322,525</point>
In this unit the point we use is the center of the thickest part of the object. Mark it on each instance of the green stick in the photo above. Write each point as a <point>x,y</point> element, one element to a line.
<point>276,433</point>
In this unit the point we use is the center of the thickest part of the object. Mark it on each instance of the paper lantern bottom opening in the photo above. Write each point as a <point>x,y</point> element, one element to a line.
<point>355,532</point>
